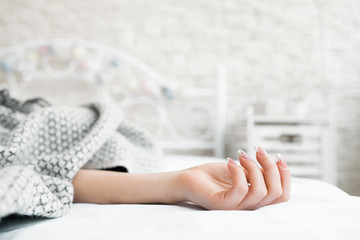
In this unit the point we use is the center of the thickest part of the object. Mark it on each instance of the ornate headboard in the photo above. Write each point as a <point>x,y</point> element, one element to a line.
<point>64,71</point>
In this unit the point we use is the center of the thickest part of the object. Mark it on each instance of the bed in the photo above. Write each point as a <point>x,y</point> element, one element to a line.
<point>316,210</point>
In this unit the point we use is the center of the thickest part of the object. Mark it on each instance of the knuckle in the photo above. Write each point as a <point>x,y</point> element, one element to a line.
<point>263,193</point>
<point>272,169</point>
<point>260,193</point>
<point>251,208</point>
<point>272,163</point>
<point>285,197</point>
<point>244,189</point>
<point>275,193</point>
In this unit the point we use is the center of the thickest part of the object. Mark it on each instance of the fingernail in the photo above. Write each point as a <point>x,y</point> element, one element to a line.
<point>281,161</point>
<point>243,154</point>
<point>234,163</point>
<point>259,150</point>
<point>231,161</point>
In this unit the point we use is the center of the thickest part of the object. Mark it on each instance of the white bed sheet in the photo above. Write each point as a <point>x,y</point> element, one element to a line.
<point>316,210</point>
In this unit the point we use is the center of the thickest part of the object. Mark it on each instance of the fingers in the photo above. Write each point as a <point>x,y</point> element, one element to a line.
<point>257,190</point>
<point>239,187</point>
<point>271,176</point>
<point>269,184</point>
<point>285,179</point>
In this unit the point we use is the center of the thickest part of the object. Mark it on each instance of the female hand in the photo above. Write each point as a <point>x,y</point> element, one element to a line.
<point>233,187</point>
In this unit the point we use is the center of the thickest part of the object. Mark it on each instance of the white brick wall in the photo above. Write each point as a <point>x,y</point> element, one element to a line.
<point>278,49</point>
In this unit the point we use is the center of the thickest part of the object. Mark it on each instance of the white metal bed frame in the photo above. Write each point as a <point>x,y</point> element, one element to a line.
<point>30,61</point>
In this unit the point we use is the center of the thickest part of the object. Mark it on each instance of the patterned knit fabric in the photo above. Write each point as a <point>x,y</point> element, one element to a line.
<point>41,151</point>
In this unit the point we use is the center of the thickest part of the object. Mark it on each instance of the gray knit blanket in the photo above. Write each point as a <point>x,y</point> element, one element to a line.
<point>41,151</point>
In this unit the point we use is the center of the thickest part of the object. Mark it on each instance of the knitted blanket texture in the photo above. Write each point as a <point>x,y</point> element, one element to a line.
<point>41,151</point>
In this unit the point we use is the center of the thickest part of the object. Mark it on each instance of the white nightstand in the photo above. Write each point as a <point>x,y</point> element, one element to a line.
<point>306,143</point>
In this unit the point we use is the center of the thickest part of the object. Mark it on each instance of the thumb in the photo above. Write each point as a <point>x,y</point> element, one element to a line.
<point>239,187</point>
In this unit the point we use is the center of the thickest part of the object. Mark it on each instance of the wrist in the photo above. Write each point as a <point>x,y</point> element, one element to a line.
<point>177,187</point>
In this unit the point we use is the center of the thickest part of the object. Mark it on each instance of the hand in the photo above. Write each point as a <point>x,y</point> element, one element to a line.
<point>233,187</point>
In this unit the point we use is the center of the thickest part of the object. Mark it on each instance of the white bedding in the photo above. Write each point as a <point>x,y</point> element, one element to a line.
<point>317,210</point>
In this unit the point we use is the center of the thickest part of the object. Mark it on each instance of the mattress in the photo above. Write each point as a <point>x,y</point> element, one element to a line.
<point>316,210</point>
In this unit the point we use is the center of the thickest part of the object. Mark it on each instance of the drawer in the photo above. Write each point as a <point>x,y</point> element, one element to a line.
<point>307,139</point>
<point>288,133</point>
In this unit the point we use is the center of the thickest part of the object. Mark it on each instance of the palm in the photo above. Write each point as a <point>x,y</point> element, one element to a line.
<point>210,186</point>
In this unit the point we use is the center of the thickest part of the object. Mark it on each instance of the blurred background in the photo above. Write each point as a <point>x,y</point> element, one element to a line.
<point>287,58</point>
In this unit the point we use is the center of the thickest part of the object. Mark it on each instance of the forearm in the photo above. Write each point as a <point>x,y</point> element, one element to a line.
<point>96,186</point>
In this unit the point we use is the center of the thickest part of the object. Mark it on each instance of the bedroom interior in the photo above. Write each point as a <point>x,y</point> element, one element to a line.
<point>205,78</point>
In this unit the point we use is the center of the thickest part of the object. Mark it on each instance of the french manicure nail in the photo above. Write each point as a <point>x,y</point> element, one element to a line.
<point>281,161</point>
<point>260,150</point>
<point>231,161</point>
<point>278,157</point>
<point>243,154</point>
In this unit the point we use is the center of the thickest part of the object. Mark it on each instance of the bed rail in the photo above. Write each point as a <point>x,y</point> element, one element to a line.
<point>182,118</point>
